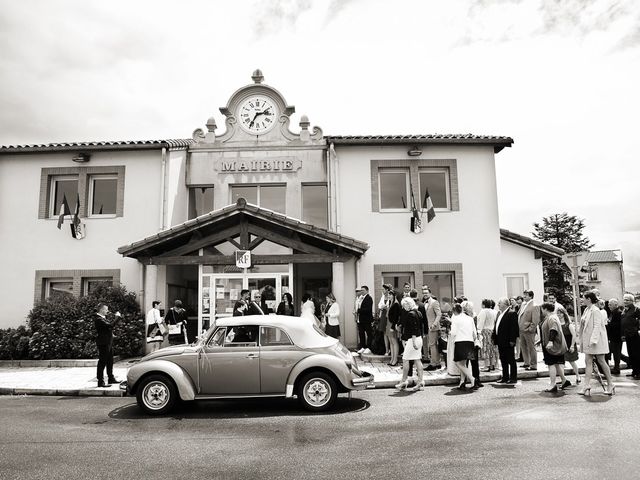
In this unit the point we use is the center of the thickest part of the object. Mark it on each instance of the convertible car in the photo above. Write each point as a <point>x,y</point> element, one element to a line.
<point>251,356</point>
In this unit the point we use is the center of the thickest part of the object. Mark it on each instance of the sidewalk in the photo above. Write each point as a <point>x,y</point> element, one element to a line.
<point>81,381</point>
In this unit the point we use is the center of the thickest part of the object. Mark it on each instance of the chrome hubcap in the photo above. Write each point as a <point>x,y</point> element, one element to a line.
<point>317,392</point>
<point>155,395</point>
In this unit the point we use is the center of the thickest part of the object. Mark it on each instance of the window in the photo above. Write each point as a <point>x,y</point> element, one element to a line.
<point>315,201</point>
<point>59,287</point>
<point>51,283</point>
<point>90,284</point>
<point>436,182</point>
<point>100,190</point>
<point>200,201</point>
<point>217,339</point>
<point>389,187</point>
<point>103,194</point>
<point>273,337</point>
<point>593,273</point>
<point>397,280</point>
<point>63,187</point>
<point>442,284</point>
<point>272,197</point>
<point>515,284</point>
<point>241,336</point>
<point>394,185</point>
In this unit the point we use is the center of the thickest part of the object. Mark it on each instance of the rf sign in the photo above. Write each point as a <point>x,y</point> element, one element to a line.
<point>243,259</point>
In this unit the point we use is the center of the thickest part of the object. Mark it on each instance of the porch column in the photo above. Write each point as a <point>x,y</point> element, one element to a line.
<point>337,288</point>
<point>150,286</point>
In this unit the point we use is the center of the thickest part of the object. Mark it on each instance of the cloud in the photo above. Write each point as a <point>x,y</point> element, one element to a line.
<point>272,17</point>
<point>497,21</point>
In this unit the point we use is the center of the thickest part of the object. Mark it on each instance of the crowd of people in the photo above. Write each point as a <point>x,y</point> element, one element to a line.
<point>456,337</point>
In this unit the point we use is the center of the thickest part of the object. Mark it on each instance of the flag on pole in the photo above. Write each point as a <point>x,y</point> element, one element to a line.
<point>427,205</point>
<point>75,225</point>
<point>64,210</point>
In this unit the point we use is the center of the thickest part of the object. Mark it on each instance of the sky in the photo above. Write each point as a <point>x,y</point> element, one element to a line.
<point>559,77</point>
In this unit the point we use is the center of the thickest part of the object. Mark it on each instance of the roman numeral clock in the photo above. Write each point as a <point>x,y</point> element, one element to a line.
<point>257,114</point>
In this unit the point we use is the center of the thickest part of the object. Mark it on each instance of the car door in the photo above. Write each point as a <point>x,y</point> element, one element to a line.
<point>230,362</point>
<point>278,355</point>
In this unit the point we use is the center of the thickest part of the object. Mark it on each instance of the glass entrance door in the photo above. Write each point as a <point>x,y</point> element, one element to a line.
<point>220,292</point>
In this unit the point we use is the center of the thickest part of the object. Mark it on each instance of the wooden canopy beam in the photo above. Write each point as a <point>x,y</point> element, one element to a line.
<point>209,240</point>
<point>285,241</point>
<point>255,259</point>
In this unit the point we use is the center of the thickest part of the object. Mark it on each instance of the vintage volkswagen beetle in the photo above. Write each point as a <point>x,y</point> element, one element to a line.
<point>251,356</point>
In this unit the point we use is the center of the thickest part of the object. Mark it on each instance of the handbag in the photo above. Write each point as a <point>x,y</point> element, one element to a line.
<point>175,329</point>
<point>162,327</point>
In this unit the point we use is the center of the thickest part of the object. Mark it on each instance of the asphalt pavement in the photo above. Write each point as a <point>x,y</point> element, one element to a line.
<point>499,431</point>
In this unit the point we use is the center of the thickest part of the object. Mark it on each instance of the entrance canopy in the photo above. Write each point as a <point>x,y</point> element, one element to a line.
<point>245,226</point>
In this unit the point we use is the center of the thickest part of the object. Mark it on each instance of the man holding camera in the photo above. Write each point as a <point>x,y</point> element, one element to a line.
<point>104,342</point>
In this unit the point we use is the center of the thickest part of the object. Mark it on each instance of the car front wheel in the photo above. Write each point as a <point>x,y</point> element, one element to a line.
<point>317,391</point>
<point>157,394</point>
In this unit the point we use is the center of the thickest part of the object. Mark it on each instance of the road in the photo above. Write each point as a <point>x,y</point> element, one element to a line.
<point>496,432</point>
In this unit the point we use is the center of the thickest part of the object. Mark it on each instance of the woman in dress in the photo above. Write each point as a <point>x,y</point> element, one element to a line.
<point>393,317</point>
<point>332,315</point>
<point>286,305</point>
<point>594,343</point>
<point>486,323</point>
<point>554,346</point>
<point>463,333</point>
<point>383,310</point>
<point>412,339</point>
<point>571,339</point>
<point>308,310</point>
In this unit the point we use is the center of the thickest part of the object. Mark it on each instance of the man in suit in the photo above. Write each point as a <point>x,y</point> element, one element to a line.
<point>241,306</point>
<point>434,313</point>
<point>365,319</point>
<point>254,307</point>
<point>104,342</point>
<point>505,332</point>
<point>630,326</point>
<point>528,320</point>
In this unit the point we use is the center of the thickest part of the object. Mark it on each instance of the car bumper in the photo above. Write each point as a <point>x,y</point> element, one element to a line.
<point>361,380</point>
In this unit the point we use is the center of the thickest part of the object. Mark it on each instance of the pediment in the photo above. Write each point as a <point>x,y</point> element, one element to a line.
<point>243,116</point>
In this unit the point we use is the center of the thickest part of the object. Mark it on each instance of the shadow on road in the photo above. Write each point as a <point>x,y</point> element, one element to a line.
<point>455,391</point>
<point>239,408</point>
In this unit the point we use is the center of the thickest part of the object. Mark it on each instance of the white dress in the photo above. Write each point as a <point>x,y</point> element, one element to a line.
<point>308,312</point>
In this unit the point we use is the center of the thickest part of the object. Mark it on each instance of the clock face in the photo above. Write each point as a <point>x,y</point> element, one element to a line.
<point>257,114</point>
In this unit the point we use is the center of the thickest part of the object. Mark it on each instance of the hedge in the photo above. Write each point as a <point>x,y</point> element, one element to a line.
<point>63,327</point>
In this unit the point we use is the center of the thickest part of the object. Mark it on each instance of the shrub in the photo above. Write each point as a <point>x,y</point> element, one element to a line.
<point>14,343</point>
<point>64,327</point>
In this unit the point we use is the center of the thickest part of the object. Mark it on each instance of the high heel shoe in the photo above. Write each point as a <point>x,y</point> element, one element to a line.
<point>553,389</point>
<point>585,391</point>
<point>611,392</point>
<point>578,380</point>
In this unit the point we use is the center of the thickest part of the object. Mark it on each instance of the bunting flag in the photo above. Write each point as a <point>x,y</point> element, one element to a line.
<point>427,205</point>
<point>64,210</point>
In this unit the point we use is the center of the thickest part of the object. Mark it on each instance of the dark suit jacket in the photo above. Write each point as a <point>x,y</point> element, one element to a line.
<point>508,330</point>
<point>254,309</point>
<point>104,329</point>
<point>365,312</point>
<point>236,306</point>
<point>630,321</point>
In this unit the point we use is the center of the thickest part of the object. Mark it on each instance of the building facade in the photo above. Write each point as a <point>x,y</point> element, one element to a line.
<point>605,272</point>
<point>318,213</point>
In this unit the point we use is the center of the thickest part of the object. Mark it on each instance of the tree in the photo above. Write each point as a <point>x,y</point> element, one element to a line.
<point>566,232</point>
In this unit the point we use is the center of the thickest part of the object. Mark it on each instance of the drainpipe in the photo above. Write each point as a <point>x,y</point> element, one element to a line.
<point>330,189</point>
<point>335,175</point>
<point>163,196</point>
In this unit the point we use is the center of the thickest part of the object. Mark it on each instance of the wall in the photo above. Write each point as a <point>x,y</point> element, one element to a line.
<point>609,282</point>
<point>516,260</point>
<point>469,236</point>
<point>30,244</point>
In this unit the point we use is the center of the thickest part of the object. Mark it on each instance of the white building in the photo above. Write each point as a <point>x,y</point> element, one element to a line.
<point>320,213</point>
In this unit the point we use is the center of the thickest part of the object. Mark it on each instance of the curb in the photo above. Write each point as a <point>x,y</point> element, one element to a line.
<point>60,363</point>
<point>82,392</point>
